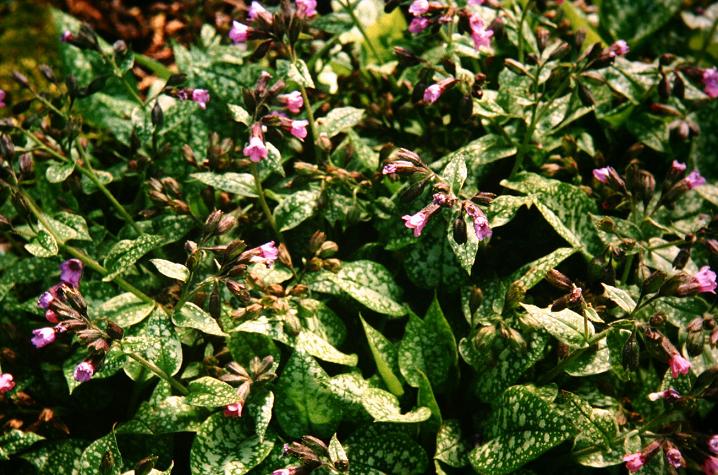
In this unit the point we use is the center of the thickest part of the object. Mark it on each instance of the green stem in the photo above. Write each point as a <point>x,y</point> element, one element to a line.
<point>263,203</point>
<point>159,372</point>
<point>350,9</point>
<point>520,31</point>
<point>73,251</point>
<point>627,268</point>
<point>48,104</point>
<point>312,124</point>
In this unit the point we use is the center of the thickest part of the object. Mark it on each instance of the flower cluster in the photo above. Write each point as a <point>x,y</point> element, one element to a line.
<point>65,307</point>
<point>260,371</point>
<point>261,19</point>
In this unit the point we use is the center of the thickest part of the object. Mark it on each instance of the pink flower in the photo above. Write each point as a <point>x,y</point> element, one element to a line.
<point>481,223</point>
<point>694,179</point>
<point>51,316</point>
<point>619,48</point>
<point>256,150</point>
<point>432,93</point>
<point>602,174</point>
<point>416,221</point>
<point>43,337</point>
<point>239,32</point>
<point>679,365</point>
<point>285,471</point>
<point>201,97</point>
<point>292,101</point>
<point>255,9</point>
<point>397,167</point>
<point>83,372</point>
<point>419,7</point>
<point>713,444</point>
<point>66,36</point>
<point>678,167</point>
<point>710,466</point>
<point>233,410</point>
<point>475,3</point>
<point>634,462</point>
<point>675,457</point>
<point>265,254</point>
<point>6,382</point>
<point>669,394</point>
<point>418,25</point>
<point>706,280</point>
<point>480,35</point>
<point>71,272</point>
<point>710,82</point>
<point>3,94</point>
<point>299,129</point>
<point>306,8</point>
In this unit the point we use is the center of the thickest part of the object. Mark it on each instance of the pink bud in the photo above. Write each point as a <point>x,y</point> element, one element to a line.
<point>3,94</point>
<point>419,7</point>
<point>432,93</point>
<point>619,48</point>
<point>418,25</point>
<point>713,444</point>
<point>710,466</point>
<point>694,179</point>
<point>306,8</point>
<point>255,9</point>
<point>602,174</point>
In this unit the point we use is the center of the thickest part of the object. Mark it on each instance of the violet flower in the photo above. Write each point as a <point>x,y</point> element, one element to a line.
<point>480,35</point>
<point>255,9</point>
<point>419,7</point>
<point>265,254</point>
<point>299,129</point>
<point>3,94</point>
<point>675,458</point>
<point>710,82</point>
<point>71,272</point>
<point>84,372</point>
<point>619,48</point>
<point>418,25</point>
<point>713,444</point>
<point>43,337</point>
<point>481,222</point>
<point>710,466</point>
<point>694,179</point>
<point>201,97</point>
<point>397,167</point>
<point>669,394</point>
<point>602,174</point>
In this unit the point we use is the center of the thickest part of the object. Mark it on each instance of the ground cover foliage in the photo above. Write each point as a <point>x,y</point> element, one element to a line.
<point>402,238</point>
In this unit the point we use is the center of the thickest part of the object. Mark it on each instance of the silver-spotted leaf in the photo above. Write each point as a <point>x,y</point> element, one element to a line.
<point>386,358</point>
<point>210,392</point>
<point>296,208</point>
<point>240,184</point>
<point>171,269</point>
<point>191,316</point>
<point>566,325</point>
<point>126,252</point>
<point>371,284</point>
<point>125,309</point>
<point>380,449</point>
<point>103,451</point>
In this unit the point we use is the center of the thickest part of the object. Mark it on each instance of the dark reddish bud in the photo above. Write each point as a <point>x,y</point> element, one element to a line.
<point>679,86</point>
<point>681,258</point>
<point>114,330</point>
<point>459,230</point>
<point>630,354</point>
<point>559,280</point>
<point>664,89</point>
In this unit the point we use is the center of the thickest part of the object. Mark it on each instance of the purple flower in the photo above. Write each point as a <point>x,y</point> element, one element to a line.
<point>3,94</point>
<point>6,382</point>
<point>397,167</point>
<point>416,221</point>
<point>619,48</point>
<point>292,101</point>
<point>440,199</point>
<point>46,299</point>
<point>299,129</point>
<point>306,8</point>
<point>71,272</point>
<point>675,457</point>
<point>432,93</point>
<point>285,471</point>
<point>66,36</point>
<point>481,223</point>
<point>713,444</point>
<point>256,150</point>
<point>201,97</point>
<point>265,254</point>
<point>418,25</point>
<point>42,337</point>
<point>710,82</point>
<point>255,9</point>
<point>679,365</point>
<point>694,179</point>
<point>419,7</point>
<point>83,372</point>
<point>634,462</point>
<point>233,410</point>
<point>602,174</point>
<point>678,167</point>
<point>669,394</point>
<point>239,32</point>
<point>710,466</point>
<point>480,35</point>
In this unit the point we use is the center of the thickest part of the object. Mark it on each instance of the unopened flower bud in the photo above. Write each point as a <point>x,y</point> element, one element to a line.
<point>679,86</point>
<point>559,280</point>
<point>158,117</point>
<point>475,299</point>
<point>292,325</point>
<point>515,294</point>
<point>226,224</point>
<point>145,466</point>
<point>459,230</point>
<point>119,47</point>
<point>328,249</point>
<point>212,221</point>
<point>695,338</point>
<point>630,354</point>
<point>114,330</point>
<point>681,259</point>
<point>27,165</point>
<point>20,78</point>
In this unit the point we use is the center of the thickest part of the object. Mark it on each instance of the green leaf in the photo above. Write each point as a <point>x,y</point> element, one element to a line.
<point>260,408</point>
<point>425,397</point>
<point>58,172</point>
<point>103,451</point>
<point>89,186</point>
<point>14,441</point>
<point>296,208</point>
<point>337,454</point>
<point>318,318</point>
<point>42,245</point>
<point>320,348</point>
<point>534,272</point>
<point>210,392</point>
<point>371,284</point>
<point>386,358</point>
<point>164,347</point>
<point>304,404</point>
<point>620,297</point>
<point>57,457</point>
<point>428,346</point>
<point>339,120</point>
<point>384,407</point>
<point>67,226</point>
<point>164,414</point>
<point>465,253</point>
<point>503,209</point>
<point>191,316</point>
<point>297,72</point>
<point>125,309</point>
<point>380,449</point>
<point>171,269</point>
<point>455,173</point>
<point>522,427</point>
<point>223,446</point>
<point>594,424</point>
<point>451,448</point>
<point>126,252</point>
<point>241,184</point>
<point>240,114</point>
<point>635,20</point>
<point>566,325</point>
<point>335,22</point>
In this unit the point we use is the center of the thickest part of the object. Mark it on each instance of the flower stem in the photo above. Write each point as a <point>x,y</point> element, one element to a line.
<point>350,9</point>
<point>520,31</point>
<point>263,203</point>
<point>312,125</point>
<point>159,372</point>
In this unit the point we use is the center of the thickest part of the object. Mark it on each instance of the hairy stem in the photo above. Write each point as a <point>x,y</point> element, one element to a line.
<point>263,203</point>
<point>159,372</point>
